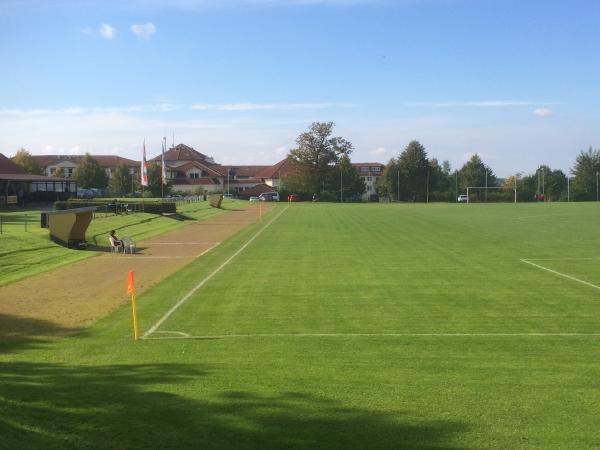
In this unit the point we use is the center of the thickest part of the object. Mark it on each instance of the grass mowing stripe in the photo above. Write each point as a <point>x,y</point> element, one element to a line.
<point>208,277</point>
<point>560,274</point>
<point>182,335</point>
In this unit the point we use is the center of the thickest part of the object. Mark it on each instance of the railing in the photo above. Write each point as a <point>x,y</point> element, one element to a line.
<point>15,224</point>
<point>114,209</point>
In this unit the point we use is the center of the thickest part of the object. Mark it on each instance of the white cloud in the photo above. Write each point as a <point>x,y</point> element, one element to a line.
<point>107,31</point>
<point>268,106</point>
<point>480,104</point>
<point>542,112</point>
<point>379,151</point>
<point>143,31</point>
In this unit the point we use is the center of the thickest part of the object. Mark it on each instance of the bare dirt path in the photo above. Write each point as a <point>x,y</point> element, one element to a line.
<point>74,296</point>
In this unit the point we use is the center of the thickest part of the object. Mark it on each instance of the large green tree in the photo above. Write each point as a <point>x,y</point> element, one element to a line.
<point>475,173</point>
<point>24,160</point>
<point>414,168</point>
<point>120,181</point>
<point>89,174</point>
<point>320,151</point>
<point>587,166</point>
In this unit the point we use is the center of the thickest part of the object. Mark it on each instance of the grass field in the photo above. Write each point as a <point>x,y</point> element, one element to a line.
<point>340,326</point>
<point>27,251</point>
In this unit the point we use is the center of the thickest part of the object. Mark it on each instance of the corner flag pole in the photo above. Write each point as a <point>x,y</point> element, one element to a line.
<point>131,291</point>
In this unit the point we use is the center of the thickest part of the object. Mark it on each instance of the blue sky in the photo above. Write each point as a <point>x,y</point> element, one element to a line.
<point>515,81</point>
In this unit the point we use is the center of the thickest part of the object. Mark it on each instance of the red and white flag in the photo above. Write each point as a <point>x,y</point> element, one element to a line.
<point>144,169</point>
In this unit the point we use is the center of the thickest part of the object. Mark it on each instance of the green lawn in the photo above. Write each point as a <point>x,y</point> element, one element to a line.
<point>340,326</point>
<point>28,251</point>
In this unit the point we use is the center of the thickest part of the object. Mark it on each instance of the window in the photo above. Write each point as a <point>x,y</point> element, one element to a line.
<point>368,178</point>
<point>376,169</point>
<point>364,169</point>
<point>194,175</point>
<point>69,171</point>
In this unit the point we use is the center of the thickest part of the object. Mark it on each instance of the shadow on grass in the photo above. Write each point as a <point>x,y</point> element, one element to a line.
<point>50,406</point>
<point>18,332</point>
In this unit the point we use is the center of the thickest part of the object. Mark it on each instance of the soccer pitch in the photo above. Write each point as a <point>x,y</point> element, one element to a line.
<point>341,326</point>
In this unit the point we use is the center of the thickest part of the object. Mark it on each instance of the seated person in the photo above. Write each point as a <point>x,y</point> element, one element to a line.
<point>114,240</point>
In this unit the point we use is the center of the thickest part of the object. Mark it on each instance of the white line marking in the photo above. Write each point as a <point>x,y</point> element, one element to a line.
<point>179,333</point>
<point>182,243</point>
<point>208,277</point>
<point>155,257</point>
<point>560,274</point>
<point>208,250</point>
<point>350,335</point>
<point>559,259</point>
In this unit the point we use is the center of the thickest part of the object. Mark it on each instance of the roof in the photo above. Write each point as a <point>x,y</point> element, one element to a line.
<point>257,190</point>
<point>182,152</point>
<point>214,168</point>
<point>272,172</point>
<point>9,167</point>
<point>244,171</point>
<point>103,160</point>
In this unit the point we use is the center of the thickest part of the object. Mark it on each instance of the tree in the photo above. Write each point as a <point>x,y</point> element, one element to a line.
<point>155,185</point>
<point>346,177</point>
<point>587,165</point>
<point>320,152</point>
<point>388,180</point>
<point>414,167</point>
<point>24,160</point>
<point>89,174</point>
<point>120,181</point>
<point>473,174</point>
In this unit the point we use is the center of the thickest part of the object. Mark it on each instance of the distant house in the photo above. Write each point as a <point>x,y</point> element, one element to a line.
<point>68,163</point>
<point>18,186</point>
<point>190,171</point>
<point>370,173</point>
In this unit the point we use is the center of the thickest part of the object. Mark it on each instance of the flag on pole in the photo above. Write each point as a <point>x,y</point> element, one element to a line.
<point>130,283</point>
<point>131,291</point>
<point>164,168</point>
<point>144,172</point>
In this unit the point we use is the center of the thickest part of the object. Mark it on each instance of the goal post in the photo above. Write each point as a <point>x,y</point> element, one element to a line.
<point>502,193</point>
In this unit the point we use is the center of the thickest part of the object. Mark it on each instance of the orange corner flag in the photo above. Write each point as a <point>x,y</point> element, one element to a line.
<point>130,283</point>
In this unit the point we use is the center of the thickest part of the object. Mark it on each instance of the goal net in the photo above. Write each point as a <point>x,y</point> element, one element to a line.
<point>496,194</point>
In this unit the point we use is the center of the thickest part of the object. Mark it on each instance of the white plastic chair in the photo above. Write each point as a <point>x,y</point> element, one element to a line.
<point>113,248</point>
<point>128,245</point>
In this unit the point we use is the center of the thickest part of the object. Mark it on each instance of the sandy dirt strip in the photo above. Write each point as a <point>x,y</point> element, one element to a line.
<point>72,297</point>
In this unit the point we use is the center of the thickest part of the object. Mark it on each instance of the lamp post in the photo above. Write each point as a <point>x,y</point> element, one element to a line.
<point>597,186</point>
<point>568,189</point>
<point>398,196</point>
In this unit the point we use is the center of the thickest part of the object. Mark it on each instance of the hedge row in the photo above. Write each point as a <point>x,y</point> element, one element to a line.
<point>151,208</point>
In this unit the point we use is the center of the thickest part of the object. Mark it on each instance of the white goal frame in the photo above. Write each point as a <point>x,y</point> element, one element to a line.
<point>485,188</point>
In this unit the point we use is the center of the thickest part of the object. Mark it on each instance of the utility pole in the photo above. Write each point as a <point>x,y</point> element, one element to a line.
<point>341,184</point>
<point>568,189</point>
<point>486,185</point>
<point>597,186</point>
<point>456,188</point>
<point>398,197</point>
<point>427,186</point>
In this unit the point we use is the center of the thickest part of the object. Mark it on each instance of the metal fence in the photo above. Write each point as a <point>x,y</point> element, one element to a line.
<point>16,224</point>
